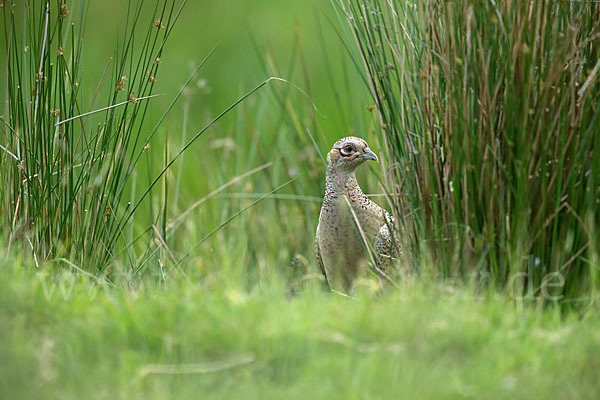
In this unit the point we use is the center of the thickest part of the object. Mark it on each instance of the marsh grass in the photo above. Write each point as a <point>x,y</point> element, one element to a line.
<point>489,116</point>
<point>63,177</point>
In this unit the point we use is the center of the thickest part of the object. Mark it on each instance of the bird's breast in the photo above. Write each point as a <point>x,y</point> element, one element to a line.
<point>341,221</point>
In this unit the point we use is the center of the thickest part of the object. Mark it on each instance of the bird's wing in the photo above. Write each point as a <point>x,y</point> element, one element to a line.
<point>383,246</point>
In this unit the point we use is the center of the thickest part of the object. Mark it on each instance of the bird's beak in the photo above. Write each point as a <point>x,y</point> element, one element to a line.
<point>369,155</point>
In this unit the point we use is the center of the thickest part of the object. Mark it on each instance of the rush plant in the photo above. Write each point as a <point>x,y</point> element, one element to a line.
<point>64,169</point>
<point>489,114</point>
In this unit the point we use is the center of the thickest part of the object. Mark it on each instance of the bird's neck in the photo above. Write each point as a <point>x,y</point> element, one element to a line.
<point>339,182</point>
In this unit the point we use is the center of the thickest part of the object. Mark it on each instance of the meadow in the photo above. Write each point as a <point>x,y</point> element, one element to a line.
<point>163,246</point>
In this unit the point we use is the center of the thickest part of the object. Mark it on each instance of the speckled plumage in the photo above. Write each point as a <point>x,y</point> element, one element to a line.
<point>347,216</point>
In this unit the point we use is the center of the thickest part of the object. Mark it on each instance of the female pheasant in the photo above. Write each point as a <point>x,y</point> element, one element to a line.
<point>349,221</point>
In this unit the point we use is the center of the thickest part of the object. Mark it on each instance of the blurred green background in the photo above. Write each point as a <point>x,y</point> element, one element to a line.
<point>298,38</point>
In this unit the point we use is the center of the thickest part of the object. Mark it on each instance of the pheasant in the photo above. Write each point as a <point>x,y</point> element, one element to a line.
<point>349,221</point>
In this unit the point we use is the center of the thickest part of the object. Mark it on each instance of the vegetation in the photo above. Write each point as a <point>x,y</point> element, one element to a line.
<point>162,246</point>
<point>67,173</point>
<point>489,118</point>
<point>223,341</point>
<point>100,193</point>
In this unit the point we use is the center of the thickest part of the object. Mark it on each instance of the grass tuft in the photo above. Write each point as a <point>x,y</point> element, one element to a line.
<point>489,116</point>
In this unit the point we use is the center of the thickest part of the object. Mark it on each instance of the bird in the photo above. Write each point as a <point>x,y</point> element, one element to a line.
<point>349,221</point>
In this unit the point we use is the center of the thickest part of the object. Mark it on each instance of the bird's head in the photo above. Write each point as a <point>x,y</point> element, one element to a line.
<point>348,153</point>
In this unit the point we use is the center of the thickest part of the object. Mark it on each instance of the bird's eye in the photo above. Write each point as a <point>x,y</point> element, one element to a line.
<point>347,150</point>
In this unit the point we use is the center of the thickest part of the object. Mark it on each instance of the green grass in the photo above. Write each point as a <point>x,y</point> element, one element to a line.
<point>424,340</point>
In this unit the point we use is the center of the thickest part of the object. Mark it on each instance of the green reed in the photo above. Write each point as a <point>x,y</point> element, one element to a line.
<point>64,169</point>
<point>490,119</point>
